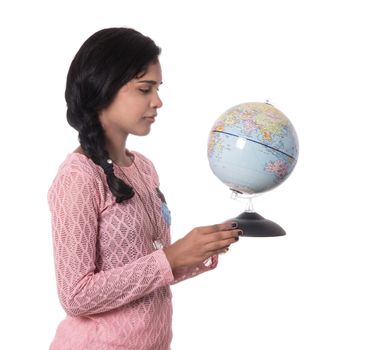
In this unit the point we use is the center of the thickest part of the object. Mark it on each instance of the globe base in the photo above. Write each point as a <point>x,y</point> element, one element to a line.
<point>254,225</point>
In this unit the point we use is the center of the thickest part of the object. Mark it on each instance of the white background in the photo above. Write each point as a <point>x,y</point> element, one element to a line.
<point>314,60</point>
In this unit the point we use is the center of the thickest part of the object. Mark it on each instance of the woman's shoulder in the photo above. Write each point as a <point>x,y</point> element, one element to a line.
<point>78,175</point>
<point>77,168</point>
<point>80,164</point>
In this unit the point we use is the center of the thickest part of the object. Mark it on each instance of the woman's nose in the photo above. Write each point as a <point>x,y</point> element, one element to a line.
<point>156,101</point>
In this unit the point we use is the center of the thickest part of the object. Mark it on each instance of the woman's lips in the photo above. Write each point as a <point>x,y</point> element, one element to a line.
<point>150,118</point>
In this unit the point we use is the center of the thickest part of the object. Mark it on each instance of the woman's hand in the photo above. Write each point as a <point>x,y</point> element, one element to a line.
<point>200,244</point>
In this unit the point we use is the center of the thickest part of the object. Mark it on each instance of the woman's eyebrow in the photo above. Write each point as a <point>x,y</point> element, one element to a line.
<point>152,82</point>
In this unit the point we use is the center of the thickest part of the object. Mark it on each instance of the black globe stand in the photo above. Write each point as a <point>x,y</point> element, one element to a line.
<point>254,225</point>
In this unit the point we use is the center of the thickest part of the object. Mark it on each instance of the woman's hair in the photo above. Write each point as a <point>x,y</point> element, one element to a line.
<point>106,61</point>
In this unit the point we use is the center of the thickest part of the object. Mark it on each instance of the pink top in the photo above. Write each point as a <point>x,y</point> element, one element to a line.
<point>112,282</point>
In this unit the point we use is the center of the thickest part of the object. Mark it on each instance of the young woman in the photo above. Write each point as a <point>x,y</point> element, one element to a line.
<point>113,256</point>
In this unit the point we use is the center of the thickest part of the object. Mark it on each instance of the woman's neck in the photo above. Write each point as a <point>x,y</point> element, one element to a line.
<point>117,153</point>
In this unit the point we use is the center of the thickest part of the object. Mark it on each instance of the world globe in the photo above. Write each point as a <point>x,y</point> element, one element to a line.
<point>252,147</point>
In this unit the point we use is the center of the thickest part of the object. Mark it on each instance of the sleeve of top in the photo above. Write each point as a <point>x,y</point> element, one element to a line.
<point>186,273</point>
<point>74,205</point>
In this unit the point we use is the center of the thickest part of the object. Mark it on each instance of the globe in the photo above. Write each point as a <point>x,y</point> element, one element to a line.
<point>253,148</point>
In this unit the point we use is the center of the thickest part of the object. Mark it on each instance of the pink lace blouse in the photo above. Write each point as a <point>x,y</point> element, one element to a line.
<point>111,280</point>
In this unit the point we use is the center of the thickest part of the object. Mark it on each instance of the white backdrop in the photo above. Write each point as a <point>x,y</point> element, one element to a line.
<point>315,60</point>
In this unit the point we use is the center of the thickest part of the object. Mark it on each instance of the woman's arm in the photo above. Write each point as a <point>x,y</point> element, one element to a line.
<point>73,200</point>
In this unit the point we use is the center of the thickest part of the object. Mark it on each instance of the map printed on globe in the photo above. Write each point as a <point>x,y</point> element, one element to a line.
<point>252,147</point>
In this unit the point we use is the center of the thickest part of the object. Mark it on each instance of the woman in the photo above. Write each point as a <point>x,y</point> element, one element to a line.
<point>113,257</point>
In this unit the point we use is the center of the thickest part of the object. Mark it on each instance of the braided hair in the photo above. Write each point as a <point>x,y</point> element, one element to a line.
<point>106,61</point>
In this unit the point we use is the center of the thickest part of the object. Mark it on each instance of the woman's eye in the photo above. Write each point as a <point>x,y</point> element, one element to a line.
<point>145,91</point>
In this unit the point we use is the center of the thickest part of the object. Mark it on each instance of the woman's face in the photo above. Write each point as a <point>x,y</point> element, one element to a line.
<point>134,107</point>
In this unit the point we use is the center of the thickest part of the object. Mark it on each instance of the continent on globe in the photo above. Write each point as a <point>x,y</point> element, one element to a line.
<point>252,147</point>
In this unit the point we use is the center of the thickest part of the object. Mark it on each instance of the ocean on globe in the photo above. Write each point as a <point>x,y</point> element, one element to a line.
<point>252,147</point>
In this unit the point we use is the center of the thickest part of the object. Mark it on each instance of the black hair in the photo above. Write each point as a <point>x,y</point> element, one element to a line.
<point>106,61</point>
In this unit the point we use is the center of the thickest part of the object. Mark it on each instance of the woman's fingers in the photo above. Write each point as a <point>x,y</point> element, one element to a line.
<point>218,232</point>
<point>227,226</point>
<point>223,237</point>
<point>215,245</point>
<point>222,251</point>
<point>201,243</point>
